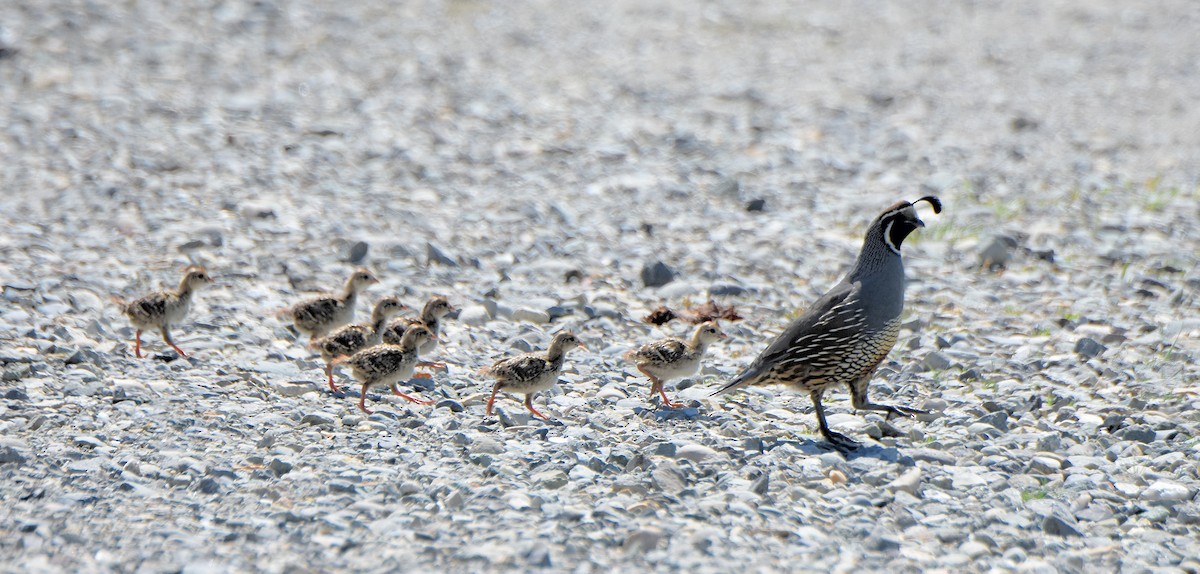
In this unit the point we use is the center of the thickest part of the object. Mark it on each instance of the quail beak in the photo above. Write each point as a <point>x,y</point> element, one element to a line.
<point>582,346</point>
<point>722,336</point>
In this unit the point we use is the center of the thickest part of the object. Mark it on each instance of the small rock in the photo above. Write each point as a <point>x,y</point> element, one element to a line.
<point>1059,525</point>
<point>1163,490</point>
<point>694,452</point>
<point>485,445</point>
<point>531,316</point>
<point>1141,434</point>
<point>997,253</point>
<point>358,252</point>
<point>937,361</point>
<point>279,468</point>
<point>667,477</point>
<point>657,274</point>
<point>317,419</point>
<point>453,405</point>
<point>1089,347</point>
<point>435,255</point>
<point>475,315</point>
<point>1044,465</point>
<point>643,540</point>
<point>909,482</point>
<point>551,479</point>
<point>9,454</point>
<point>756,205</point>
<point>998,419</point>
<point>208,486</point>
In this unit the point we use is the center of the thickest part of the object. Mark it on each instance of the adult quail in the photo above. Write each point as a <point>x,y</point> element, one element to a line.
<point>161,309</point>
<point>844,336</point>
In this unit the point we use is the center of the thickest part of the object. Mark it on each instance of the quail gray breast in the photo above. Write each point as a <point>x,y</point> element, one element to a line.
<point>849,331</point>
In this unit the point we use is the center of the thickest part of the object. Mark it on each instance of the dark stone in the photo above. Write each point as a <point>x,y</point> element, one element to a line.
<point>208,486</point>
<point>657,274</point>
<point>726,289</point>
<point>761,485</point>
<point>435,255</point>
<point>10,454</point>
<point>756,205</point>
<point>451,404</point>
<point>969,375</point>
<point>1057,525</point>
<point>997,419</point>
<point>1141,434</point>
<point>1089,347</point>
<point>279,468</point>
<point>358,252</point>
<point>16,395</point>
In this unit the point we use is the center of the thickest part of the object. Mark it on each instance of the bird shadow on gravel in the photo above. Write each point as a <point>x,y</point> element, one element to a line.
<point>820,447</point>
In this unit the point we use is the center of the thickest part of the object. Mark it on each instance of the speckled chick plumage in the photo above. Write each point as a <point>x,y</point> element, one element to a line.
<point>431,316</point>
<point>161,309</point>
<point>844,336</point>
<point>351,339</point>
<point>388,364</point>
<point>672,358</point>
<point>317,316</point>
<point>532,372</point>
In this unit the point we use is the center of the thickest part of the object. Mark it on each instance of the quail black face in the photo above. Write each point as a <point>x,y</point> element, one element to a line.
<point>901,219</point>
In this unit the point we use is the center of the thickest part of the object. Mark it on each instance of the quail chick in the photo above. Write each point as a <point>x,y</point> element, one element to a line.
<point>317,316</point>
<point>844,336</point>
<point>532,372</point>
<point>672,358</point>
<point>432,313</point>
<point>354,338</point>
<point>388,364</point>
<point>162,309</point>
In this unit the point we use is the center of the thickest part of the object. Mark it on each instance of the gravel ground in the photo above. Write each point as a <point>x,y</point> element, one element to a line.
<point>486,151</point>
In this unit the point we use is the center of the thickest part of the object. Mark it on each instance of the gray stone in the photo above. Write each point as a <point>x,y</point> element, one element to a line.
<point>643,540</point>
<point>1056,524</point>
<point>667,477</point>
<point>9,454</point>
<point>657,274</point>
<point>998,419</point>
<point>358,252</point>
<point>453,405</point>
<point>279,467</point>
<point>433,254</point>
<point>551,479</point>
<point>1089,347</point>
<point>937,361</point>
<point>317,419</point>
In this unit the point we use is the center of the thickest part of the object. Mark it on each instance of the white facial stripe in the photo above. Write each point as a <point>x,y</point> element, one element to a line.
<point>887,238</point>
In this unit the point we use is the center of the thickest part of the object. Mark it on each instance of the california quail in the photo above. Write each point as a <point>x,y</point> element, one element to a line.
<point>388,364</point>
<point>432,313</point>
<point>844,336</point>
<point>163,308</point>
<point>531,372</point>
<point>317,316</point>
<point>354,338</point>
<point>672,358</point>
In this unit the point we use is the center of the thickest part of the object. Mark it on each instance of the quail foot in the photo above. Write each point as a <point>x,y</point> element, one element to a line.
<point>162,309</point>
<point>387,364</point>
<point>672,358</point>
<point>432,313</point>
<point>317,316</point>
<point>532,372</point>
<point>354,338</point>
<point>844,336</point>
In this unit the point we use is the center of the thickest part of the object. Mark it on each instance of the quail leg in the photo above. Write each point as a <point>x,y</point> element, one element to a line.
<point>838,440</point>
<point>529,405</point>
<point>167,337</point>
<point>362,399</point>
<point>396,391</point>
<point>492,399</point>
<point>329,373</point>
<point>858,399</point>
<point>137,343</point>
